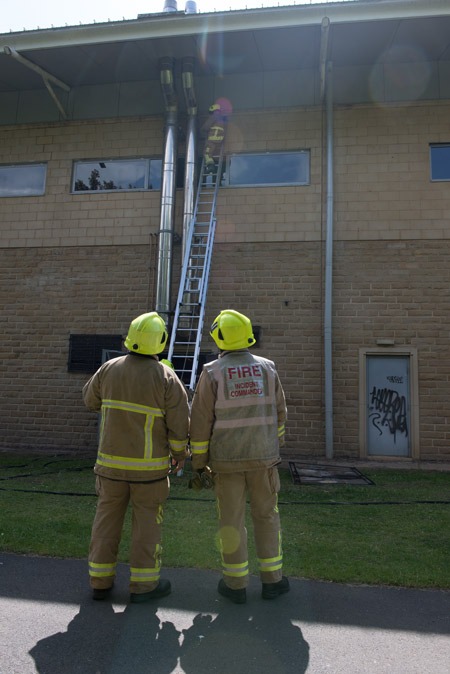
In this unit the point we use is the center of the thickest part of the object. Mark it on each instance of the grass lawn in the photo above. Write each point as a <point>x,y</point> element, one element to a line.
<point>395,532</point>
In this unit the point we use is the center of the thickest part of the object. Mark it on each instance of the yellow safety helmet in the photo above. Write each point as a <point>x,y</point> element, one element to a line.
<point>167,362</point>
<point>147,334</point>
<point>232,330</point>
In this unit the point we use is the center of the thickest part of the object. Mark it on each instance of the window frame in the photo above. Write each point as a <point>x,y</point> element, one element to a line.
<point>437,146</point>
<point>227,180</point>
<point>27,165</point>
<point>116,160</point>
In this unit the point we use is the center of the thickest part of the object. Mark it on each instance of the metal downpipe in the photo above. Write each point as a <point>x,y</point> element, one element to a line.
<point>191,147</point>
<point>328,335</point>
<point>168,187</point>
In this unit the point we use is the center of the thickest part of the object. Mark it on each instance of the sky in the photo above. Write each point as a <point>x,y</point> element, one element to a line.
<point>18,15</point>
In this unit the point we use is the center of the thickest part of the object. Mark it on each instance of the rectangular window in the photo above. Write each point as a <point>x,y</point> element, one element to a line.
<point>117,174</point>
<point>440,162</point>
<point>22,180</point>
<point>268,168</point>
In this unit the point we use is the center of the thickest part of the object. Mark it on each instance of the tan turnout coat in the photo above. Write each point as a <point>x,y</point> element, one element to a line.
<point>144,417</point>
<point>238,414</point>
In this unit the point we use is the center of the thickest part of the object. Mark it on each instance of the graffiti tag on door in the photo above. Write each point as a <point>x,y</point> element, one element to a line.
<point>388,409</point>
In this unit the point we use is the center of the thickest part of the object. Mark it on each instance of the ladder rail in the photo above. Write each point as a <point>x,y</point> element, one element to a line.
<point>202,313</point>
<point>190,307</point>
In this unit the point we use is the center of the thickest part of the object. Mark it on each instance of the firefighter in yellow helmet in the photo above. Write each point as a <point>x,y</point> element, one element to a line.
<point>238,419</point>
<point>215,136</point>
<point>144,425</point>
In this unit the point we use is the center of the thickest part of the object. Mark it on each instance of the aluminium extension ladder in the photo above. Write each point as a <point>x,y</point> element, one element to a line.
<point>186,335</point>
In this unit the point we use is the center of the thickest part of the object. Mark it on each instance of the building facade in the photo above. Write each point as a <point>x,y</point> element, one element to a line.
<point>350,251</point>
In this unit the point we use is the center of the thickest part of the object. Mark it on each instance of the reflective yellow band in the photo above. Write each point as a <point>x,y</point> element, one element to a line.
<point>144,575</point>
<point>159,515</point>
<point>247,401</point>
<point>125,463</point>
<point>199,447</point>
<point>271,564</point>
<point>241,423</point>
<point>150,413</point>
<point>178,445</point>
<point>235,574</point>
<point>235,570</point>
<point>132,407</point>
<point>281,430</point>
<point>277,510</point>
<point>102,570</point>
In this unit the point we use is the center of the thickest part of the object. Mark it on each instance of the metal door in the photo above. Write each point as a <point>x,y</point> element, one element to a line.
<point>388,404</point>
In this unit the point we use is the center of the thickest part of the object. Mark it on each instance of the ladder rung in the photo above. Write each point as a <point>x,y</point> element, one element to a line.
<point>190,305</point>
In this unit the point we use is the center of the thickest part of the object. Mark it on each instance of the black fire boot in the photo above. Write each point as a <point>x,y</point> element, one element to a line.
<point>272,590</point>
<point>161,590</point>
<point>236,596</point>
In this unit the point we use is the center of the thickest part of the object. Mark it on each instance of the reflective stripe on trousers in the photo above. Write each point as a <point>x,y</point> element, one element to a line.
<point>147,500</point>
<point>231,489</point>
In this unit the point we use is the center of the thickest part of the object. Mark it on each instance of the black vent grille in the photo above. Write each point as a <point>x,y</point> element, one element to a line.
<point>86,351</point>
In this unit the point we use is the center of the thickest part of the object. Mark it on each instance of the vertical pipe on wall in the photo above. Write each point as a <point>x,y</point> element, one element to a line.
<point>328,341</point>
<point>168,186</point>
<point>191,147</point>
<point>324,37</point>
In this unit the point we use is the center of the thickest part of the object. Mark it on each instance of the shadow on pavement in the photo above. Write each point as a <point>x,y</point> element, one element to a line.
<point>136,641</point>
<point>194,630</point>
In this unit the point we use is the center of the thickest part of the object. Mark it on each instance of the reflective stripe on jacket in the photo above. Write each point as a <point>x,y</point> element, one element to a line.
<point>144,417</point>
<point>216,133</point>
<point>238,413</point>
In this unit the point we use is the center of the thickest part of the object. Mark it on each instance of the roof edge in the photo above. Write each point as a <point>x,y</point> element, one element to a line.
<point>179,24</point>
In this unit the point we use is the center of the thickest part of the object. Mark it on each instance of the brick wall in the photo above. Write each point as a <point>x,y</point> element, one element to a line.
<point>86,264</point>
<point>60,218</point>
<point>49,293</point>
<point>396,291</point>
<point>382,173</point>
<point>382,179</point>
<point>46,295</point>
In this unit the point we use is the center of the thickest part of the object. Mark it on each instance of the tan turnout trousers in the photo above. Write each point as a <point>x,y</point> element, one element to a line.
<point>147,500</point>
<point>262,486</point>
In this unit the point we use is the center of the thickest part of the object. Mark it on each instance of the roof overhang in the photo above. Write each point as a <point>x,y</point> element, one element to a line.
<point>365,36</point>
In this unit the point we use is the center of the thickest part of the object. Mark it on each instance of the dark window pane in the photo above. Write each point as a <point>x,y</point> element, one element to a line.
<point>277,168</point>
<point>154,182</point>
<point>87,352</point>
<point>440,162</point>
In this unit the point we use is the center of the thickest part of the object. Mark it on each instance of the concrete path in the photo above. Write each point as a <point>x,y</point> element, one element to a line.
<point>50,625</point>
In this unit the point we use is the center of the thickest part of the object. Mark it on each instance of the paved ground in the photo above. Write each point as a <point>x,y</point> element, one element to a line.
<point>50,625</point>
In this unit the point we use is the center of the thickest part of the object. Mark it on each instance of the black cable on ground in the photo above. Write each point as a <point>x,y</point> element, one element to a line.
<point>284,503</point>
<point>188,498</point>
<point>75,469</point>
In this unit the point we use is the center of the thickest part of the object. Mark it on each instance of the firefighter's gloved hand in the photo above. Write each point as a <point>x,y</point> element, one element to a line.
<point>176,467</point>
<point>202,479</point>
